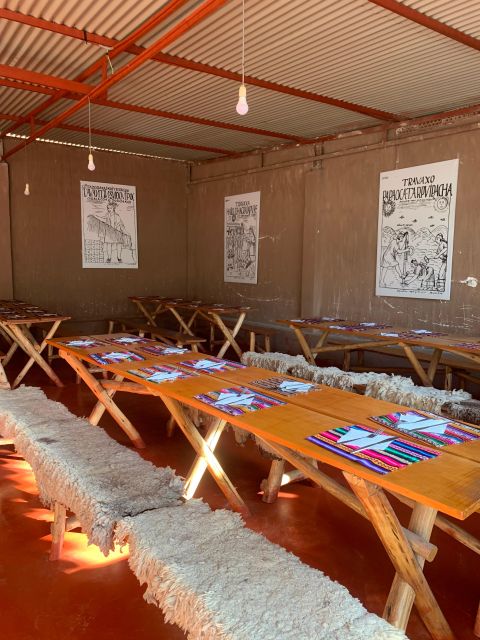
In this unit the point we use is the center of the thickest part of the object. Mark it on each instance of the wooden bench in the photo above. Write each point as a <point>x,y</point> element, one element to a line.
<point>253,331</point>
<point>215,578</point>
<point>68,458</point>
<point>168,336</point>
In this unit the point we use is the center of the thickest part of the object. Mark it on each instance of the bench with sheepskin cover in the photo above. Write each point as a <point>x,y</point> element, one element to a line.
<point>218,580</point>
<point>80,468</point>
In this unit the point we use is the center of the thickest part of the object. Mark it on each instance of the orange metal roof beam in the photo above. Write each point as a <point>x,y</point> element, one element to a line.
<point>51,83</point>
<point>118,47</point>
<point>124,136</point>
<point>204,10</point>
<point>177,61</point>
<point>428,22</point>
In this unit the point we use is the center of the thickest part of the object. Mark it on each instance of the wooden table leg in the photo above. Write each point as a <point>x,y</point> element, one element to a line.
<point>203,450</point>
<point>307,352</point>
<point>200,466</point>
<point>99,409</point>
<point>142,308</point>
<point>476,629</point>
<point>229,335</point>
<point>320,342</point>
<point>401,597</point>
<point>181,321</point>
<point>34,353</point>
<point>424,548</point>
<point>391,534</point>
<point>4,383</point>
<point>102,395</point>
<point>419,370</point>
<point>432,367</point>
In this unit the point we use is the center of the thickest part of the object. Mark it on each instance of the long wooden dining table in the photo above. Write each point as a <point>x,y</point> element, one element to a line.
<point>448,484</point>
<point>16,321</point>
<point>152,307</point>
<point>373,335</point>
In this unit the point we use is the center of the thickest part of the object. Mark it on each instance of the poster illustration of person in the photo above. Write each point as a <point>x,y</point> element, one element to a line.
<point>416,221</point>
<point>242,214</point>
<point>109,226</point>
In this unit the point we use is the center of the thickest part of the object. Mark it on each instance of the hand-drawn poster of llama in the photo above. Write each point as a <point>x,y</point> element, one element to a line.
<point>109,226</point>
<point>416,221</point>
<point>242,214</point>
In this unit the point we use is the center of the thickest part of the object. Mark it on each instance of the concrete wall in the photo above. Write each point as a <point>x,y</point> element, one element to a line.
<point>46,232</point>
<point>280,241</point>
<point>318,229</point>
<point>6,281</point>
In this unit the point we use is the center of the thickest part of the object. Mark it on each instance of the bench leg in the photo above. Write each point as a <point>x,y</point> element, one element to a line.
<point>272,485</point>
<point>267,344</point>
<point>170,426</point>
<point>476,629</point>
<point>251,345</point>
<point>58,530</point>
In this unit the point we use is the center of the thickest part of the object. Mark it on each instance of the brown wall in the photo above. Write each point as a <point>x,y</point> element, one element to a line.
<point>277,293</point>
<point>322,216</point>
<point>46,232</point>
<point>341,237</point>
<point>6,282</point>
<point>318,230</point>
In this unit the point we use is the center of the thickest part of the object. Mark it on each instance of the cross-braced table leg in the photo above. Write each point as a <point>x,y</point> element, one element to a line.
<point>200,465</point>
<point>202,449</point>
<point>149,316</point>
<point>99,409</point>
<point>4,383</point>
<point>103,396</point>
<point>403,558</point>
<point>419,370</point>
<point>432,367</point>
<point>34,350</point>
<point>229,335</point>
<point>307,352</point>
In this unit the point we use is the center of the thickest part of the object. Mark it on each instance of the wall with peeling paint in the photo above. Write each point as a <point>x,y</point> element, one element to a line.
<point>318,230</point>
<point>46,232</point>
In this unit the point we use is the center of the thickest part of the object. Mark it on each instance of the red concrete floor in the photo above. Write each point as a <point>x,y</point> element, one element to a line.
<point>87,596</point>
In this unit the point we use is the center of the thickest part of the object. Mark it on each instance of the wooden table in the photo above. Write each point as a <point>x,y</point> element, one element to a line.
<point>152,306</point>
<point>16,320</point>
<point>449,484</point>
<point>371,335</point>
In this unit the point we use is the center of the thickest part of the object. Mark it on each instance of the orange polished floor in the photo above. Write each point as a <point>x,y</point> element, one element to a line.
<point>86,596</point>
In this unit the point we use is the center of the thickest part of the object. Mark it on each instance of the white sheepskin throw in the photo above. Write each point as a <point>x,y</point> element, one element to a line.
<point>468,411</point>
<point>218,580</point>
<point>402,391</point>
<point>280,362</point>
<point>27,405</point>
<point>331,376</point>
<point>81,467</point>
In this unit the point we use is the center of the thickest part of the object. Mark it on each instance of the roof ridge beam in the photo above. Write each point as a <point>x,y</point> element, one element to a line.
<point>134,49</point>
<point>206,8</point>
<point>427,21</point>
<point>124,136</point>
<point>51,83</point>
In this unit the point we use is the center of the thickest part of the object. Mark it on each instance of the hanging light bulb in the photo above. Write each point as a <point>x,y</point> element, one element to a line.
<point>91,164</point>
<point>26,191</point>
<point>242,105</point>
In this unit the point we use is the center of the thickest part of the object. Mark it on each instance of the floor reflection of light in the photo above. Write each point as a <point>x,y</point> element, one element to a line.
<point>38,514</point>
<point>80,555</point>
<point>283,494</point>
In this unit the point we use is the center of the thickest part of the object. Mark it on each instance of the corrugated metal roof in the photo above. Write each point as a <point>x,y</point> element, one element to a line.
<point>351,50</point>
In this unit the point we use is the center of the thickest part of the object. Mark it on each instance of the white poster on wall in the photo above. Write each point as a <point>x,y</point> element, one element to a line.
<point>109,226</point>
<point>242,215</point>
<point>416,221</point>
